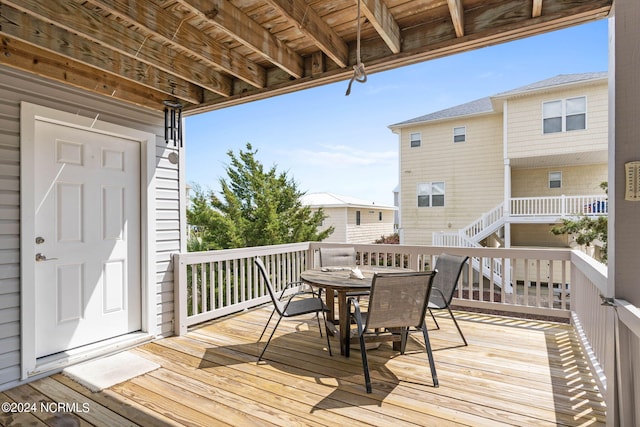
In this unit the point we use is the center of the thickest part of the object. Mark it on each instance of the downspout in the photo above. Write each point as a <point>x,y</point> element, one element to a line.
<point>506,279</point>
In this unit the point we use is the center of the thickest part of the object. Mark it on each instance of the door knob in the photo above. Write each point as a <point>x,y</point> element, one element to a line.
<point>41,257</point>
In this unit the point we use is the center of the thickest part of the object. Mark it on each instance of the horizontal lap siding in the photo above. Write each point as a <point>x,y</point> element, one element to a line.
<point>9,238</point>
<point>576,180</point>
<point>473,173</point>
<point>16,87</point>
<point>525,124</point>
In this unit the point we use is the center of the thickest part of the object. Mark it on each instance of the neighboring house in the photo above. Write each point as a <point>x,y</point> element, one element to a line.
<point>354,220</point>
<point>502,170</point>
<point>89,189</point>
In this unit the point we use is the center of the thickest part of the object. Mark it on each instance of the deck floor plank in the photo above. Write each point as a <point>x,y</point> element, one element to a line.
<point>514,372</point>
<point>15,417</point>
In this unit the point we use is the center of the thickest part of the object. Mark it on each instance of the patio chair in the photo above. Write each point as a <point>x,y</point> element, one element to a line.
<point>290,308</point>
<point>397,306</point>
<point>444,286</point>
<point>338,257</point>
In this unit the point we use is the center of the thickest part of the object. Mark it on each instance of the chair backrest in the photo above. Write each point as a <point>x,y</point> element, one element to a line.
<point>338,257</point>
<point>399,300</point>
<point>279,305</point>
<point>449,269</point>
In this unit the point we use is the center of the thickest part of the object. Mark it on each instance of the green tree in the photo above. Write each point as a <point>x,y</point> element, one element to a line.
<point>256,207</point>
<point>587,229</point>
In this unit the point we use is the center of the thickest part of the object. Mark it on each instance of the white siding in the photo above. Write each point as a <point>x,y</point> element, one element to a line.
<point>16,87</point>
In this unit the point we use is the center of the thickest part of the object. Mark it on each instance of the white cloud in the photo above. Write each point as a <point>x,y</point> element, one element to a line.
<point>338,156</point>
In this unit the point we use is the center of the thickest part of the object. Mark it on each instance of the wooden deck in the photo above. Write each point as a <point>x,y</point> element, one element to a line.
<point>514,372</point>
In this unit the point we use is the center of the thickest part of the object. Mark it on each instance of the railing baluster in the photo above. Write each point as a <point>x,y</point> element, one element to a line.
<point>538,284</point>
<point>194,289</point>
<point>221,282</point>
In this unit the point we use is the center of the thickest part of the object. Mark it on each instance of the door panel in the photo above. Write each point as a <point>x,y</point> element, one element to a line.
<point>87,237</point>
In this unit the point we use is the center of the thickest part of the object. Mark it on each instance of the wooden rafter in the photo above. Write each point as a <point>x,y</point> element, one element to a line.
<point>20,55</point>
<point>437,39</point>
<point>212,54</point>
<point>63,42</point>
<point>183,37</point>
<point>308,21</point>
<point>236,24</point>
<point>457,16</point>
<point>378,14</point>
<point>536,9</point>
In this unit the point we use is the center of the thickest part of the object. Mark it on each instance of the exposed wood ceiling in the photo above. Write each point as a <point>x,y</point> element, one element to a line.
<point>208,54</point>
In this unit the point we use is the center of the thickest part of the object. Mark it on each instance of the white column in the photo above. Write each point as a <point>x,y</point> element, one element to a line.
<point>624,216</point>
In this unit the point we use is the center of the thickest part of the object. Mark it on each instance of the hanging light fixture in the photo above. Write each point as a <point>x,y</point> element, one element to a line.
<point>173,122</point>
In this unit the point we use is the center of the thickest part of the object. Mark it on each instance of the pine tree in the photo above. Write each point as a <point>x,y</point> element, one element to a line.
<point>256,207</point>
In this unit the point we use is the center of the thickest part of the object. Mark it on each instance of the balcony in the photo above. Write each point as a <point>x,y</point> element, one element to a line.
<point>524,210</point>
<point>536,355</point>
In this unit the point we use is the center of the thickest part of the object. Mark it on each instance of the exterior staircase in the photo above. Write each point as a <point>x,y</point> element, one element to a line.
<point>522,210</point>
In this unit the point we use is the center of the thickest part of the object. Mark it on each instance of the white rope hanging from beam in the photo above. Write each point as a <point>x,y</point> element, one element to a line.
<point>359,73</point>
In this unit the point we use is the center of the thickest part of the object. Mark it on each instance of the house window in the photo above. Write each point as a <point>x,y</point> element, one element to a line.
<point>357,217</point>
<point>460,134</point>
<point>415,139</point>
<point>564,115</point>
<point>576,113</point>
<point>555,179</point>
<point>431,194</point>
<point>379,216</point>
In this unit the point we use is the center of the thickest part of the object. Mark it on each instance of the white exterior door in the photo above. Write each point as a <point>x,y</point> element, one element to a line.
<point>87,245</point>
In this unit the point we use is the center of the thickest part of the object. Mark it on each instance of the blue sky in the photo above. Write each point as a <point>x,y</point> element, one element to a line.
<point>327,141</point>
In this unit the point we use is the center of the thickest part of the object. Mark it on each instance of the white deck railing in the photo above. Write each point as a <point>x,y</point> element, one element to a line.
<point>485,225</point>
<point>560,206</point>
<point>608,328</point>
<point>523,209</point>
<point>217,283</point>
<point>592,319</point>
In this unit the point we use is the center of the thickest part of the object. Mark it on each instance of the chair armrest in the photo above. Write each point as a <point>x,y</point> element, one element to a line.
<point>296,283</point>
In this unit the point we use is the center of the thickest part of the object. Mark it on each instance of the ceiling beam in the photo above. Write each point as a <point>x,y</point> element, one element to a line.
<point>19,25</point>
<point>378,14</point>
<point>106,32</point>
<point>20,55</point>
<point>310,23</point>
<point>182,36</point>
<point>457,16</point>
<point>536,9</point>
<point>239,26</point>
<point>485,27</point>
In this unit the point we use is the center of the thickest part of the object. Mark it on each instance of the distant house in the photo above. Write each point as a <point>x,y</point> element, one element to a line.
<point>501,170</point>
<point>354,220</point>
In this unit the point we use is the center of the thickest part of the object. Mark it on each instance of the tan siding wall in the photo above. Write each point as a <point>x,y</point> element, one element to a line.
<point>473,173</point>
<point>525,137</point>
<point>16,87</point>
<point>576,180</point>
<point>536,235</point>
<point>370,228</point>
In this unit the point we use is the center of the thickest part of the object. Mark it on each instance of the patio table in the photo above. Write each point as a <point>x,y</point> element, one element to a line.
<point>337,281</point>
